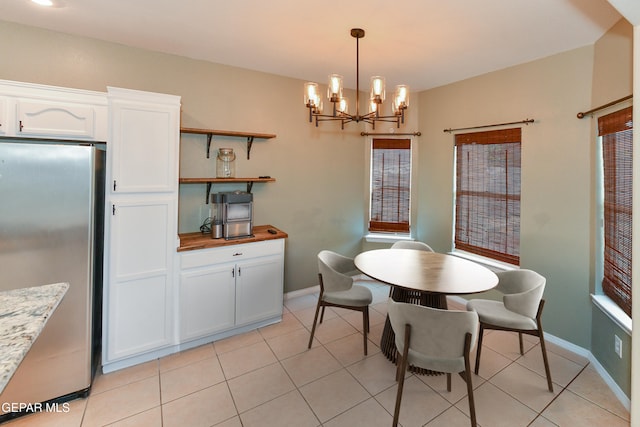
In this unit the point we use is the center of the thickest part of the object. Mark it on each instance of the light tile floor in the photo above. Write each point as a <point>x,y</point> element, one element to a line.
<point>268,377</point>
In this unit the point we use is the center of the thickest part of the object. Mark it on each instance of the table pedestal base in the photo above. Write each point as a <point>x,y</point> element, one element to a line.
<point>388,340</point>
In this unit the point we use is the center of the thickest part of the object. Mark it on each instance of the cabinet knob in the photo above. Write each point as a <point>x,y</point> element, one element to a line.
<point>238,254</point>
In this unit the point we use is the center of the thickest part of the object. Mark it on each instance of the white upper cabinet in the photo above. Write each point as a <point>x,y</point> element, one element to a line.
<point>49,112</point>
<point>49,118</point>
<point>145,148</point>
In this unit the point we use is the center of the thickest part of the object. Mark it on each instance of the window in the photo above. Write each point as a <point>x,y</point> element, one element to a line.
<point>616,131</point>
<point>390,185</point>
<point>487,206</point>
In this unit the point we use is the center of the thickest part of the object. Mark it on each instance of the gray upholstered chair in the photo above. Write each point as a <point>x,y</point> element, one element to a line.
<point>337,289</point>
<point>434,339</point>
<point>411,244</point>
<point>520,310</point>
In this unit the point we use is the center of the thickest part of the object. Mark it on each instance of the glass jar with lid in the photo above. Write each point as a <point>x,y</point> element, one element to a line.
<point>225,163</point>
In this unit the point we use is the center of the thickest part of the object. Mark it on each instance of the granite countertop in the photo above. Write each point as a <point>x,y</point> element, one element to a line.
<point>23,314</point>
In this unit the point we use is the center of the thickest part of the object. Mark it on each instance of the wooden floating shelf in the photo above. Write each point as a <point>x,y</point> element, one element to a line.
<point>210,132</point>
<point>210,181</point>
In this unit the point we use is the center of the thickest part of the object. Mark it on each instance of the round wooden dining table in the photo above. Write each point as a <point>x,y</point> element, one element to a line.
<point>424,278</point>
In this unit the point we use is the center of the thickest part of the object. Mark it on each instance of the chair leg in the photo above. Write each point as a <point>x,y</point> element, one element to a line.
<point>368,323</point>
<point>479,349</point>
<point>322,315</point>
<point>467,371</point>
<point>365,327</point>
<point>472,403</point>
<point>398,366</point>
<point>402,369</point>
<point>449,381</point>
<point>546,360</point>
<point>543,346</point>
<point>521,344</point>
<point>315,319</point>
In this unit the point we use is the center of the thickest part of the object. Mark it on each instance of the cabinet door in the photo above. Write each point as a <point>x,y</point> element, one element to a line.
<point>207,301</point>
<point>137,316</point>
<point>58,119</point>
<point>145,147</point>
<point>140,272</point>
<point>259,290</point>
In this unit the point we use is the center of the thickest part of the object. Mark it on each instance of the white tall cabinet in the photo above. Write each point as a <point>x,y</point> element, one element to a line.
<point>141,228</point>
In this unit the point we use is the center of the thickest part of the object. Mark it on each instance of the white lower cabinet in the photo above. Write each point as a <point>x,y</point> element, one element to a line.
<point>206,296</point>
<point>258,289</point>
<point>228,288</point>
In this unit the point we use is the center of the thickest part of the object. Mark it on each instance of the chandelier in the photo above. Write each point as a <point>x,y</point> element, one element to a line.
<point>313,101</point>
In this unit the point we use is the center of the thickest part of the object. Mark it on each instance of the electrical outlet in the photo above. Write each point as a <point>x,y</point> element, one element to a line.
<point>617,346</point>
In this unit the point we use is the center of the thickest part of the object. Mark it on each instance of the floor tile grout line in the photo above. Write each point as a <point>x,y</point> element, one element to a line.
<point>566,388</point>
<point>557,396</point>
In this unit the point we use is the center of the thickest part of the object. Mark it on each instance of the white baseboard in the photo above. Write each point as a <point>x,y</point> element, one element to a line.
<point>622,397</point>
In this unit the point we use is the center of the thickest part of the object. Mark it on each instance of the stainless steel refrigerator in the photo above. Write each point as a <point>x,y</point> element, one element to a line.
<point>51,230</point>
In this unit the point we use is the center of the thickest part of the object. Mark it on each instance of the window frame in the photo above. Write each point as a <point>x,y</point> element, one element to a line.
<point>462,245</point>
<point>388,228</point>
<point>603,299</point>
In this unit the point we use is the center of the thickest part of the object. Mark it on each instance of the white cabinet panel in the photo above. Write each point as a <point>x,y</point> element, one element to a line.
<point>49,118</point>
<point>207,298</point>
<point>259,290</point>
<point>140,244</point>
<point>137,313</point>
<point>145,147</point>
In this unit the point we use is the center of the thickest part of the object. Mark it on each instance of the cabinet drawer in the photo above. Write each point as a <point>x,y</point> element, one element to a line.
<point>231,253</point>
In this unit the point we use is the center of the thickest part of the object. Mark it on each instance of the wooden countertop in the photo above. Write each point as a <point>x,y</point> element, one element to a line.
<point>192,241</point>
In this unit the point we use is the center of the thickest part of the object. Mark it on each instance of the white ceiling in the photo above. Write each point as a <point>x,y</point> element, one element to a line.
<point>422,43</point>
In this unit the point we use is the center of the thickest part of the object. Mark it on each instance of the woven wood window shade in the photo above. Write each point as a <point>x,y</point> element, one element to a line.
<point>617,142</point>
<point>488,194</point>
<point>390,185</point>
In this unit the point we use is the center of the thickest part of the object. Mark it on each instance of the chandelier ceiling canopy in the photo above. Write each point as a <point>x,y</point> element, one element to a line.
<point>340,108</point>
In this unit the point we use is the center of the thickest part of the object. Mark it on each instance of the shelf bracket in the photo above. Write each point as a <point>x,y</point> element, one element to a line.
<point>209,184</point>
<point>249,186</point>
<point>249,145</point>
<point>209,136</point>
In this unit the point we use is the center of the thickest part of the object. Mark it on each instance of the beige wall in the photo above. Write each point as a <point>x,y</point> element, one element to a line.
<point>556,172</point>
<point>612,79</point>
<point>559,179</point>
<point>319,192</point>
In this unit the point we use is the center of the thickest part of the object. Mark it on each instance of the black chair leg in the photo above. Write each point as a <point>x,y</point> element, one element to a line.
<point>315,320</point>
<point>521,343</point>
<point>365,327</point>
<point>479,349</point>
<point>401,371</point>
<point>467,378</point>
<point>546,361</point>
